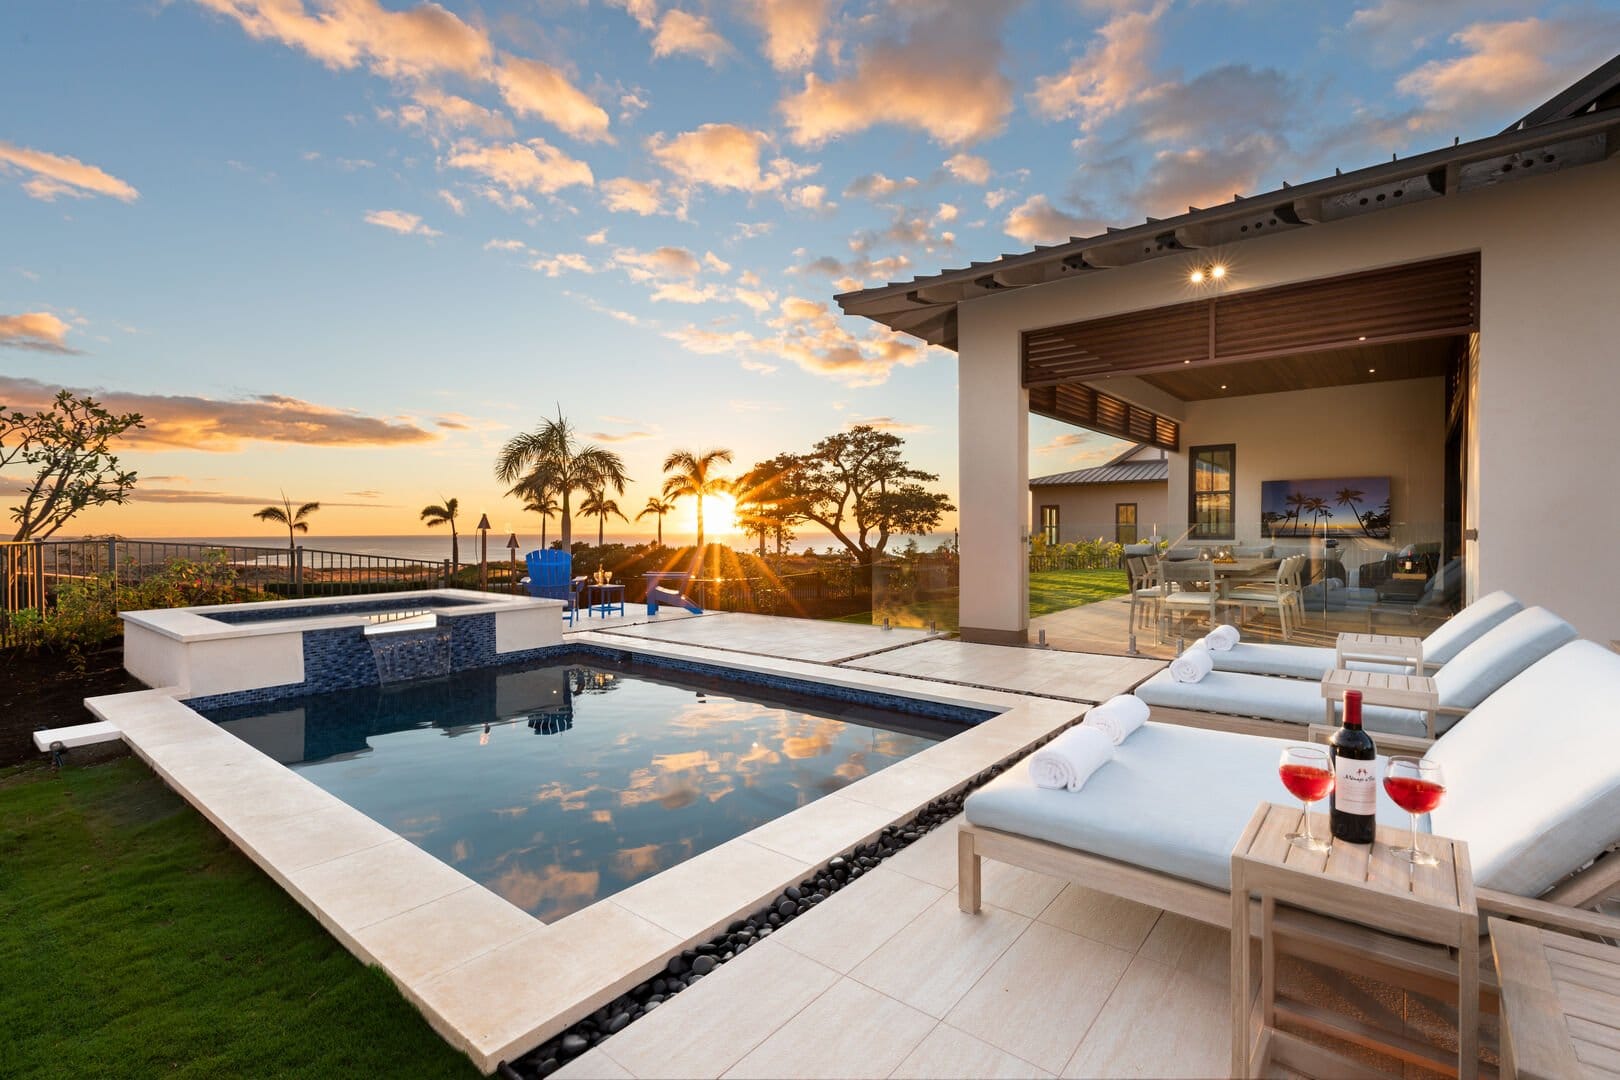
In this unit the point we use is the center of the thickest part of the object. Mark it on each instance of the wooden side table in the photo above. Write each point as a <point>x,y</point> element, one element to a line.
<point>1352,883</point>
<point>1560,1003</point>
<point>1397,691</point>
<point>1380,648</point>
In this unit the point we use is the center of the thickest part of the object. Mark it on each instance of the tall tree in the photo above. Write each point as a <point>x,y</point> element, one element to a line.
<point>598,506</point>
<point>545,504</point>
<point>658,508</point>
<point>69,448</point>
<point>551,458</point>
<point>297,521</point>
<point>692,473</point>
<point>444,513</point>
<point>761,509</point>
<point>856,485</point>
<point>1347,496</point>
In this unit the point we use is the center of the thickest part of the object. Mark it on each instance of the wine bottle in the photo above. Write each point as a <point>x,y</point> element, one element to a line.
<point>1353,806</point>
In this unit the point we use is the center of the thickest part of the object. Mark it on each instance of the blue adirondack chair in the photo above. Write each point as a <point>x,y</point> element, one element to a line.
<point>551,575</point>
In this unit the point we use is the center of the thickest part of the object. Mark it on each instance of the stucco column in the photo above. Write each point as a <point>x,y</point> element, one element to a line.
<point>993,421</point>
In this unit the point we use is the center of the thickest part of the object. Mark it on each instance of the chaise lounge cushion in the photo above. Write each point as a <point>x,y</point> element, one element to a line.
<point>1174,799</point>
<point>1532,776</point>
<point>1499,654</point>
<point>1468,626</point>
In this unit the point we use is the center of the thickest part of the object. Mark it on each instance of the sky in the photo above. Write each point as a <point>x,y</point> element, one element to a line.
<point>345,249</point>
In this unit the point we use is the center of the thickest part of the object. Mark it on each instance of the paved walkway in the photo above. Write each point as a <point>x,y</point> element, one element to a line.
<point>1074,676</point>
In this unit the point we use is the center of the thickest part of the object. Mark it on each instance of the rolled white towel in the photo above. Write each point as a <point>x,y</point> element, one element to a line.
<point>1192,665</point>
<point>1119,716</point>
<point>1069,760</point>
<point>1223,637</point>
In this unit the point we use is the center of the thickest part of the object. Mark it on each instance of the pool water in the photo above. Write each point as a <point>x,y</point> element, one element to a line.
<point>559,784</point>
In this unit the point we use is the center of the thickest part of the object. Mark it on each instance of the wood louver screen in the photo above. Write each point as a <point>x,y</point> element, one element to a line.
<point>1402,303</point>
<point>1084,407</point>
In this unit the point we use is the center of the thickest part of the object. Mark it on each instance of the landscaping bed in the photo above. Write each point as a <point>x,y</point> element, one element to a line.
<point>47,690</point>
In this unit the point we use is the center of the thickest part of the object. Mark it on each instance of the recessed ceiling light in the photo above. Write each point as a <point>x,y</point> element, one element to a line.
<point>1217,271</point>
<point>1223,386</point>
<point>1371,370</point>
<point>1196,277</point>
<point>1363,337</point>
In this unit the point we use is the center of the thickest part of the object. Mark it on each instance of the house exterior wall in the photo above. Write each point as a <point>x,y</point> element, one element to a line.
<point>1086,511</point>
<point>1393,429</point>
<point>1545,429</point>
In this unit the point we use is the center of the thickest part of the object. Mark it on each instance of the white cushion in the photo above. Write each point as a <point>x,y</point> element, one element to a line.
<point>1267,697</point>
<point>1174,799</point>
<point>1498,655</point>
<point>1467,626</point>
<point>1533,776</point>
<point>1258,658</point>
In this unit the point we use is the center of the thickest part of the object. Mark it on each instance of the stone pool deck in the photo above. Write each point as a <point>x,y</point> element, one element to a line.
<point>495,981</point>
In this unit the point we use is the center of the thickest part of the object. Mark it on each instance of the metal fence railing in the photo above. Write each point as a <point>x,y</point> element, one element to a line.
<point>33,571</point>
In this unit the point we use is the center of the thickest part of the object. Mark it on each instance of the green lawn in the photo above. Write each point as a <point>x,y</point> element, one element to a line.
<point>136,941</point>
<point>1049,591</point>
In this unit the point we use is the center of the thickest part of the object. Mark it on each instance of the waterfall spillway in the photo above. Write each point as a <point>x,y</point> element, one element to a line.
<point>403,655</point>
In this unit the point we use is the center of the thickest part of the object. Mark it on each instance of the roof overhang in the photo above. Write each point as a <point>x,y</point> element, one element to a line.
<point>926,306</point>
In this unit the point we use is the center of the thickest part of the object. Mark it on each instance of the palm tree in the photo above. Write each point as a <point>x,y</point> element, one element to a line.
<point>444,513</point>
<point>599,507</point>
<point>1295,501</point>
<point>1347,496</point>
<point>694,476</point>
<point>551,458</point>
<point>1318,508</point>
<point>297,521</point>
<point>545,504</point>
<point>658,507</point>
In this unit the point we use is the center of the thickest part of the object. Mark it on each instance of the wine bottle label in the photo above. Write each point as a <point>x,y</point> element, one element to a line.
<point>1355,789</point>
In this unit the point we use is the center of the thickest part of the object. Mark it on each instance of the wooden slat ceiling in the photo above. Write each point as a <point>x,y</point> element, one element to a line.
<point>1431,299</point>
<point>1430,357</point>
<point>1085,407</point>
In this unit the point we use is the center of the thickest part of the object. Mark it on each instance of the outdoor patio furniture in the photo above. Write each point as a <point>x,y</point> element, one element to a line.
<point>1190,587</point>
<point>1146,589</point>
<point>1439,647</point>
<point>1539,810</point>
<point>1463,683</point>
<point>1280,594</point>
<point>1560,1002</point>
<point>551,575</point>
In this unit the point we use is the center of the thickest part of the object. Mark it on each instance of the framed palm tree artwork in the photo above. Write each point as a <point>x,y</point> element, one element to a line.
<point>1344,506</point>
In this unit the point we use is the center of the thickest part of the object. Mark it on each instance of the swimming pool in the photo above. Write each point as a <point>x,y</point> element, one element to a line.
<point>558,783</point>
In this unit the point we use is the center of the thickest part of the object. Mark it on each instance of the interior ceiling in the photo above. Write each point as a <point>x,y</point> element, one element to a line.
<point>1427,358</point>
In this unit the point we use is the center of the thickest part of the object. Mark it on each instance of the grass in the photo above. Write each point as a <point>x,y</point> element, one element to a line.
<point>1049,591</point>
<point>136,941</point>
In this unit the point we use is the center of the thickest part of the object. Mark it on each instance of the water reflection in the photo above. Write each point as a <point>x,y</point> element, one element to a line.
<point>556,785</point>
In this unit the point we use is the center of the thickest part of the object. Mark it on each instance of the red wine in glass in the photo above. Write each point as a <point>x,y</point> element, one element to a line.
<point>1416,785</point>
<point>1308,775</point>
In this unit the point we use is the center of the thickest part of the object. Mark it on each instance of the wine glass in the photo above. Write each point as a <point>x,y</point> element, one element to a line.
<point>1308,775</point>
<point>1416,785</point>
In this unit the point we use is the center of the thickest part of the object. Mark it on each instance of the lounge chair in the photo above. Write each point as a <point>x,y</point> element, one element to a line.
<point>1462,684</point>
<point>551,575</point>
<point>1534,790</point>
<point>1306,662</point>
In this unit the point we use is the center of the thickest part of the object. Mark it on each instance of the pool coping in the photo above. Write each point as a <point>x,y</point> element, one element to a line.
<point>459,951</point>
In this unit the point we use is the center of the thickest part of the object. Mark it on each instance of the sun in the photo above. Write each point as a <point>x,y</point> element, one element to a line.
<point>719,515</point>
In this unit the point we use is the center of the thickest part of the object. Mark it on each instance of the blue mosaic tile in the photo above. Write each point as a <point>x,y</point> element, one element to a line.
<point>352,607</point>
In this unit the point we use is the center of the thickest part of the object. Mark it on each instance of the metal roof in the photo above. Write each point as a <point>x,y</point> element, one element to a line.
<point>1579,126</point>
<point>1132,472</point>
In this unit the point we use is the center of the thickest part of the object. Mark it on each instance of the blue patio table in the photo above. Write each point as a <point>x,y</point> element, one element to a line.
<point>607,599</point>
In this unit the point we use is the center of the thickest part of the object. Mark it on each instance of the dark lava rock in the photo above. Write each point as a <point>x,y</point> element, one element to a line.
<point>706,949</point>
<point>775,917</point>
<point>547,1067</point>
<point>703,965</point>
<point>787,907</point>
<point>855,873</point>
<point>736,926</point>
<point>676,966</point>
<point>766,932</point>
<point>793,893</point>
<point>652,1004</point>
<point>837,862</point>
<point>618,1023</point>
<point>574,1044</point>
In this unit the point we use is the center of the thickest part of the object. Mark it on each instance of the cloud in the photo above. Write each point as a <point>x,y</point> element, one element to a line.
<point>57,174</point>
<point>143,494</point>
<point>554,265</point>
<point>716,263</point>
<point>792,29</point>
<point>682,32</point>
<point>1397,28</point>
<point>645,12</point>
<point>663,262</point>
<point>811,336</point>
<point>505,245</point>
<point>993,199</point>
<point>885,423</point>
<point>622,437</point>
<point>624,195</point>
<point>401,222</point>
<point>943,78</point>
<point>597,237</point>
<point>969,168</point>
<point>1065,441</point>
<point>1037,221</point>
<point>534,165</point>
<point>433,108</point>
<point>1508,67</point>
<point>707,342</point>
<point>877,186</point>
<point>946,212</point>
<point>811,197</point>
<point>186,422</point>
<point>724,156</point>
<point>759,300</point>
<point>905,229</point>
<point>860,269</point>
<point>454,202</point>
<point>37,331</point>
<point>419,41</point>
<point>602,309</point>
<point>1205,177</point>
<point>681,292</point>
<point>1113,71</point>
<point>535,88</point>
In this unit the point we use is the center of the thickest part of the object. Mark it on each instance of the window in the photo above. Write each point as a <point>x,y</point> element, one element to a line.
<point>1049,524</point>
<point>1211,491</point>
<point>1125,523</point>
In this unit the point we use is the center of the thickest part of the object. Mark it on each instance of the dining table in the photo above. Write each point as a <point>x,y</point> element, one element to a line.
<point>1194,570</point>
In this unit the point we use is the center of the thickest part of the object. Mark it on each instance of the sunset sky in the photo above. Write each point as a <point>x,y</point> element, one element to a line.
<point>346,248</point>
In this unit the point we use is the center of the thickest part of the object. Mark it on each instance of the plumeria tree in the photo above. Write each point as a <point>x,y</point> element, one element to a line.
<point>68,449</point>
